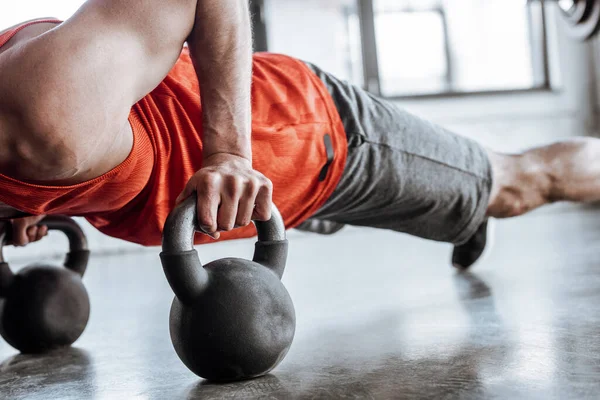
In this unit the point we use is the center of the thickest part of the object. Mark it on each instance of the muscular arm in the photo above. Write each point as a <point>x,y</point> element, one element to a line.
<point>229,191</point>
<point>68,92</point>
<point>77,82</point>
<point>221,48</point>
<point>67,95</point>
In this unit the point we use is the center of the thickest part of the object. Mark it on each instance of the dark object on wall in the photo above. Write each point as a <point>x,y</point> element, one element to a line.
<point>43,307</point>
<point>232,319</point>
<point>581,17</point>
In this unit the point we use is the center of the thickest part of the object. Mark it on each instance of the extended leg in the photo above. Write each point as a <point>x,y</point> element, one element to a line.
<point>564,171</point>
<point>404,173</point>
<point>409,175</point>
<point>568,170</point>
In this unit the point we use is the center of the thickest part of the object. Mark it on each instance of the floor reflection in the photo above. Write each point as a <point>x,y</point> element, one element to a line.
<point>374,361</point>
<point>470,287</point>
<point>267,387</point>
<point>64,373</point>
<point>393,323</point>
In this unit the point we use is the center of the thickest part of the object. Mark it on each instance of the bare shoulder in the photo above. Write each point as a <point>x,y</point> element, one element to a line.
<point>48,135</point>
<point>70,90</point>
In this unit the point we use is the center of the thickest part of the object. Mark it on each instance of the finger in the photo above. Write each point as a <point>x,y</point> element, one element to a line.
<point>246,204</point>
<point>42,232</point>
<point>19,234</point>
<point>230,198</point>
<point>264,200</point>
<point>32,233</point>
<point>209,197</point>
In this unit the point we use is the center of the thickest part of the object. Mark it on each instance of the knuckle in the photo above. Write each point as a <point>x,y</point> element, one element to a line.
<point>208,179</point>
<point>266,183</point>
<point>240,181</point>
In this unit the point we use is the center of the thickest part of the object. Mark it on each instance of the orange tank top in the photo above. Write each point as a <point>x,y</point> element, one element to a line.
<point>293,116</point>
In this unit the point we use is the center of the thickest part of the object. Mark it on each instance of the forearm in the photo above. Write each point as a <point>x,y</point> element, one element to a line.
<point>221,49</point>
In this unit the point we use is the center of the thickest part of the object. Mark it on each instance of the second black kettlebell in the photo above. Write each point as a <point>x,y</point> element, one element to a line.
<point>43,307</point>
<point>232,319</point>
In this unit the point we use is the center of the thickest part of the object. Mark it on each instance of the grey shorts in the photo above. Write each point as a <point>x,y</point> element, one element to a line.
<point>403,173</point>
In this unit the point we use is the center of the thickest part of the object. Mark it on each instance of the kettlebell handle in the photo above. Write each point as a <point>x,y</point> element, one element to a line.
<point>181,263</point>
<point>77,257</point>
<point>182,224</point>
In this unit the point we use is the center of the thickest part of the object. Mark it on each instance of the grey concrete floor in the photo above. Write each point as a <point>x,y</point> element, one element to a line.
<point>379,316</point>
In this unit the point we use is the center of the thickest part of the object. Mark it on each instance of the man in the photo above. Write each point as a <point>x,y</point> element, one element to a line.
<point>106,117</point>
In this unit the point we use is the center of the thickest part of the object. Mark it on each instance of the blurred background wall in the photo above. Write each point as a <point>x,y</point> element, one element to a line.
<point>500,71</point>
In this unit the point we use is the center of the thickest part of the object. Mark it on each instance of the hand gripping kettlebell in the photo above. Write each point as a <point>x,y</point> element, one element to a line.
<point>232,319</point>
<point>44,307</point>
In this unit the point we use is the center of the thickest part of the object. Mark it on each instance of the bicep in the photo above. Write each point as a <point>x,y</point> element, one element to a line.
<point>130,44</point>
<point>109,51</point>
<point>88,72</point>
<point>72,88</point>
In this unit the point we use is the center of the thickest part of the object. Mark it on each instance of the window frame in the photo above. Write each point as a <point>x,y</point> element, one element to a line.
<point>561,97</point>
<point>539,54</point>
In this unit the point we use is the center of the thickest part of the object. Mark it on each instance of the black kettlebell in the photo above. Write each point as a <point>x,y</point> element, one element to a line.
<point>232,319</point>
<point>44,307</point>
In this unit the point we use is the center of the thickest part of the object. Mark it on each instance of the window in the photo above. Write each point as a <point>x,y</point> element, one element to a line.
<point>400,48</point>
<point>326,33</point>
<point>417,59</point>
<point>455,46</point>
<point>392,47</point>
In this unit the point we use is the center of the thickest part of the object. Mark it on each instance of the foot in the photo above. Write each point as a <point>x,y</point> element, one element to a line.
<point>465,255</point>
